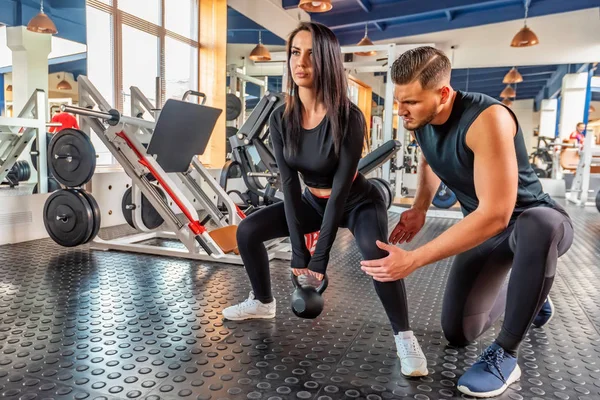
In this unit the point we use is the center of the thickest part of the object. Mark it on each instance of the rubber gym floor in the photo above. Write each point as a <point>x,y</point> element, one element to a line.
<point>85,324</point>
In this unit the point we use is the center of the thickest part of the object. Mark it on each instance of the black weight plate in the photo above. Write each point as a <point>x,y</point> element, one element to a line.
<point>68,217</point>
<point>97,214</point>
<point>384,188</point>
<point>540,172</point>
<point>598,200</point>
<point>444,198</point>
<point>53,186</point>
<point>24,170</point>
<point>234,107</point>
<point>72,158</point>
<point>34,157</point>
<point>150,217</point>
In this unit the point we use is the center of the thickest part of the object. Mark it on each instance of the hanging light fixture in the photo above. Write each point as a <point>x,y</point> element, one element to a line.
<point>525,37</point>
<point>592,109</point>
<point>63,85</point>
<point>507,102</point>
<point>41,23</point>
<point>365,41</point>
<point>513,76</point>
<point>260,52</point>
<point>315,6</point>
<point>9,88</point>
<point>508,92</point>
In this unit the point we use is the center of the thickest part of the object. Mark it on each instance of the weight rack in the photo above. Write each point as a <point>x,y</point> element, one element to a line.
<point>125,138</point>
<point>17,133</point>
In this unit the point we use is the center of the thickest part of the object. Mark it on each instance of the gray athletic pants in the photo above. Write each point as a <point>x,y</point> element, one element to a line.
<point>476,293</point>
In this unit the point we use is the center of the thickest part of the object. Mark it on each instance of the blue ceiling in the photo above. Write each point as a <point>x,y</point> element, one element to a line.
<point>67,15</point>
<point>241,29</point>
<point>389,19</point>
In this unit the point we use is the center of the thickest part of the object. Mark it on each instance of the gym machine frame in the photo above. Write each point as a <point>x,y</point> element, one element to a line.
<point>580,189</point>
<point>371,66</point>
<point>238,74</point>
<point>123,139</point>
<point>31,123</point>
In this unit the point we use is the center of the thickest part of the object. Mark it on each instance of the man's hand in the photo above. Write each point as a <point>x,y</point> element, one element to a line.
<point>411,222</point>
<point>306,271</point>
<point>397,265</point>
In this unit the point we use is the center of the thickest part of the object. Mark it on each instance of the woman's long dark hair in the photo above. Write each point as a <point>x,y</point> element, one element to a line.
<point>329,79</point>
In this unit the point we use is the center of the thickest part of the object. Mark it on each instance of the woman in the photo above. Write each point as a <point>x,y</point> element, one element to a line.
<point>319,133</point>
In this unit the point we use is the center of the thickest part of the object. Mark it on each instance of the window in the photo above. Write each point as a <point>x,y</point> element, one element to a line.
<point>100,53</point>
<point>181,17</point>
<point>131,33</point>
<point>148,10</point>
<point>140,64</point>
<point>181,68</point>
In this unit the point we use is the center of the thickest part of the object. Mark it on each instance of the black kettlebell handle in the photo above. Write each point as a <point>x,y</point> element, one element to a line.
<point>321,287</point>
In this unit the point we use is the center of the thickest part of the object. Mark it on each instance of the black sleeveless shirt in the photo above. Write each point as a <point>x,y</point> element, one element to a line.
<point>445,149</point>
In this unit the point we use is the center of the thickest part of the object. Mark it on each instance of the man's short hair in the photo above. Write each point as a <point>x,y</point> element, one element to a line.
<point>427,64</point>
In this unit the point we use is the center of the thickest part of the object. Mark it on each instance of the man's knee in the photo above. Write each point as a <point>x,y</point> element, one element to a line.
<point>546,225</point>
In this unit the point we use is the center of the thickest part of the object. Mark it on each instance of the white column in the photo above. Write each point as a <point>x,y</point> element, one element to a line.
<point>29,62</point>
<point>572,105</point>
<point>548,117</point>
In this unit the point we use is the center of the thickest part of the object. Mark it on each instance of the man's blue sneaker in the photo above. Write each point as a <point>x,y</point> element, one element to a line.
<point>545,314</point>
<point>491,375</point>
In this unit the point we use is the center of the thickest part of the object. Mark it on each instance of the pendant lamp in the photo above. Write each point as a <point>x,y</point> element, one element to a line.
<point>260,52</point>
<point>525,37</point>
<point>513,76</point>
<point>41,23</point>
<point>315,6</point>
<point>365,41</point>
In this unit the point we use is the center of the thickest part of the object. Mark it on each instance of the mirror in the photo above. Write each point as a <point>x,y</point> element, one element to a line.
<point>66,59</point>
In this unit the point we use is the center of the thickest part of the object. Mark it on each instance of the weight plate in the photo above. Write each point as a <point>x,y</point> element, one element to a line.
<point>72,158</point>
<point>24,171</point>
<point>385,190</point>
<point>68,217</point>
<point>97,214</point>
<point>53,186</point>
<point>444,198</point>
<point>34,157</point>
<point>598,200</point>
<point>150,217</point>
<point>234,107</point>
<point>539,172</point>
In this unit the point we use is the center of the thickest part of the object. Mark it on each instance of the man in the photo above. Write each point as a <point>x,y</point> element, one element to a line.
<point>475,145</point>
<point>577,135</point>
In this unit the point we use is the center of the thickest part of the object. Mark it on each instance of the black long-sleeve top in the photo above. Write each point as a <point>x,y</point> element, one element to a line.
<point>320,167</point>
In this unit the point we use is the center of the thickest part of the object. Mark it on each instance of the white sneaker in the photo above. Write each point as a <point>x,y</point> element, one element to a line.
<point>250,309</point>
<point>412,359</point>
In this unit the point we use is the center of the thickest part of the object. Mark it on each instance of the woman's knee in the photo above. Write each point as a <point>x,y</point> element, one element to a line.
<point>247,231</point>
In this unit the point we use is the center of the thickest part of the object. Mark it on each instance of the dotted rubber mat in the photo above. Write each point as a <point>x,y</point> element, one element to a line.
<point>83,324</point>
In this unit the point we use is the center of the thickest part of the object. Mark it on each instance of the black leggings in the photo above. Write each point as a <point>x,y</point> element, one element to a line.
<point>366,218</point>
<point>476,293</point>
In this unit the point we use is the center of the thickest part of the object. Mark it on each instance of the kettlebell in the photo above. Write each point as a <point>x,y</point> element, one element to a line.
<point>306,300</point>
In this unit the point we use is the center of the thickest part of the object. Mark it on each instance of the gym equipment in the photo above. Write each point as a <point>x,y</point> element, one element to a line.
<point>34,152</point>
<point>237,92</point>
<point>20,171</point>
<point>589,161</point>
<point>444,197</point>
<point>234,107</point>
<point>52,185</point>
<point>150,217</point>
<point>385,190</point>
<point>252,155</point>
<point>167,150</point>
<point>17,133</point>
<point>72,157</point>
<point>71,217</point>
<point>307,301</point>
<point>598,200</point>
<point>230,131</point>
